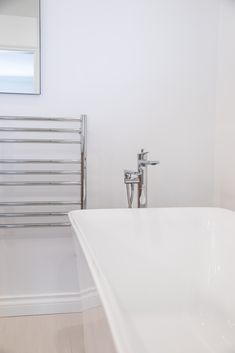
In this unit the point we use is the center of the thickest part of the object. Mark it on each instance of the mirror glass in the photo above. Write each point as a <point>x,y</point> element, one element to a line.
<point>20,46</point>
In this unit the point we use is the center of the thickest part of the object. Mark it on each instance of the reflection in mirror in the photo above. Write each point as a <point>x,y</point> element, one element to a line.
<point>19,46</point>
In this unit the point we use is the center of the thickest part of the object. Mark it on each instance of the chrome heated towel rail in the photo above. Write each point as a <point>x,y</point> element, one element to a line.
<point>74,167</point>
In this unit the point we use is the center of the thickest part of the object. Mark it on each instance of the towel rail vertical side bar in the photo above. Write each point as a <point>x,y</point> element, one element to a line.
<point>83,161</point>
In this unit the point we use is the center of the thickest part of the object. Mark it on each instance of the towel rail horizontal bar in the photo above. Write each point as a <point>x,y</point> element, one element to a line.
<point>39,141</point>
<point>34,225</point>
<point>39,203</point>
<point>39,183</point>
<point>20,129</point>
<point>40,172</point>
<point>36,209</point>
<point>40,161</point>
<point>31,118</point>
<point>32,214</point>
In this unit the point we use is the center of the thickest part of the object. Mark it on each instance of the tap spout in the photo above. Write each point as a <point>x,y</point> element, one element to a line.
<point>144,163</point>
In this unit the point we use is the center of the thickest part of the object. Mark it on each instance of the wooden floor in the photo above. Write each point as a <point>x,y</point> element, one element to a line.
<point>42,334</point>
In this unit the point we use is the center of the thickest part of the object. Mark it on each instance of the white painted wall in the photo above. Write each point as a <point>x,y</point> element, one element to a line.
<point>225,141</point>
<point>144,72</point>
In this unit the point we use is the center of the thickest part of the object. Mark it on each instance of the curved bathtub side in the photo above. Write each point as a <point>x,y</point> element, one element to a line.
<point>96,332</point>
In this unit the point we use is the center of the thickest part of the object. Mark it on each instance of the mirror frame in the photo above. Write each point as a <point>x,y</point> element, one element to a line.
<point>39,88</point>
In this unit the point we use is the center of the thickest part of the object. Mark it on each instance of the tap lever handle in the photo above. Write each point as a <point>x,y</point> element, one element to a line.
<point>142,153</point>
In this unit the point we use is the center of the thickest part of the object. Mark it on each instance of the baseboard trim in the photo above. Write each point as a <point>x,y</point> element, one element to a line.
<point>53,303</point>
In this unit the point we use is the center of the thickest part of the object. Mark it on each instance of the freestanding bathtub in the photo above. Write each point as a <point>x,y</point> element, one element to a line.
<point>165,279</point>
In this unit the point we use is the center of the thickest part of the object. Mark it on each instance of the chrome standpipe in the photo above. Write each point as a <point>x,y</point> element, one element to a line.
<point>139,178</point>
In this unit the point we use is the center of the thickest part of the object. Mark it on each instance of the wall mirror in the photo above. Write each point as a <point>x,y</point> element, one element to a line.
<point>20,46</point>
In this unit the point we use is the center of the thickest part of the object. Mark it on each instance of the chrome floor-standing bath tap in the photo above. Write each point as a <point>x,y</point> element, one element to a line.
<point>140,178</point>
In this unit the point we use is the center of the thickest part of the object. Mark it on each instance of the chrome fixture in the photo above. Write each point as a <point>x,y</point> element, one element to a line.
<point>139,178</point>
<point>130,179</point>
<point>72,177</point>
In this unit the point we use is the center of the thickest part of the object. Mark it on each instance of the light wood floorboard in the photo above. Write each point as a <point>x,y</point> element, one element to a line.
<point>61,333</point>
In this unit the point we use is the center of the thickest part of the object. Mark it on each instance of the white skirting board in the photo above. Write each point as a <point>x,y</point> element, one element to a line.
<point>53,303</point>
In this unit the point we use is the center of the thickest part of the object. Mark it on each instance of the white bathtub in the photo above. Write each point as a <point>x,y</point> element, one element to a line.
<point>165,279</point>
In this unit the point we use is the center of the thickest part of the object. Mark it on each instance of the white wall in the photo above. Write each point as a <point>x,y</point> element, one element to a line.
<point>144,72</point>
<point>225,141</point>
